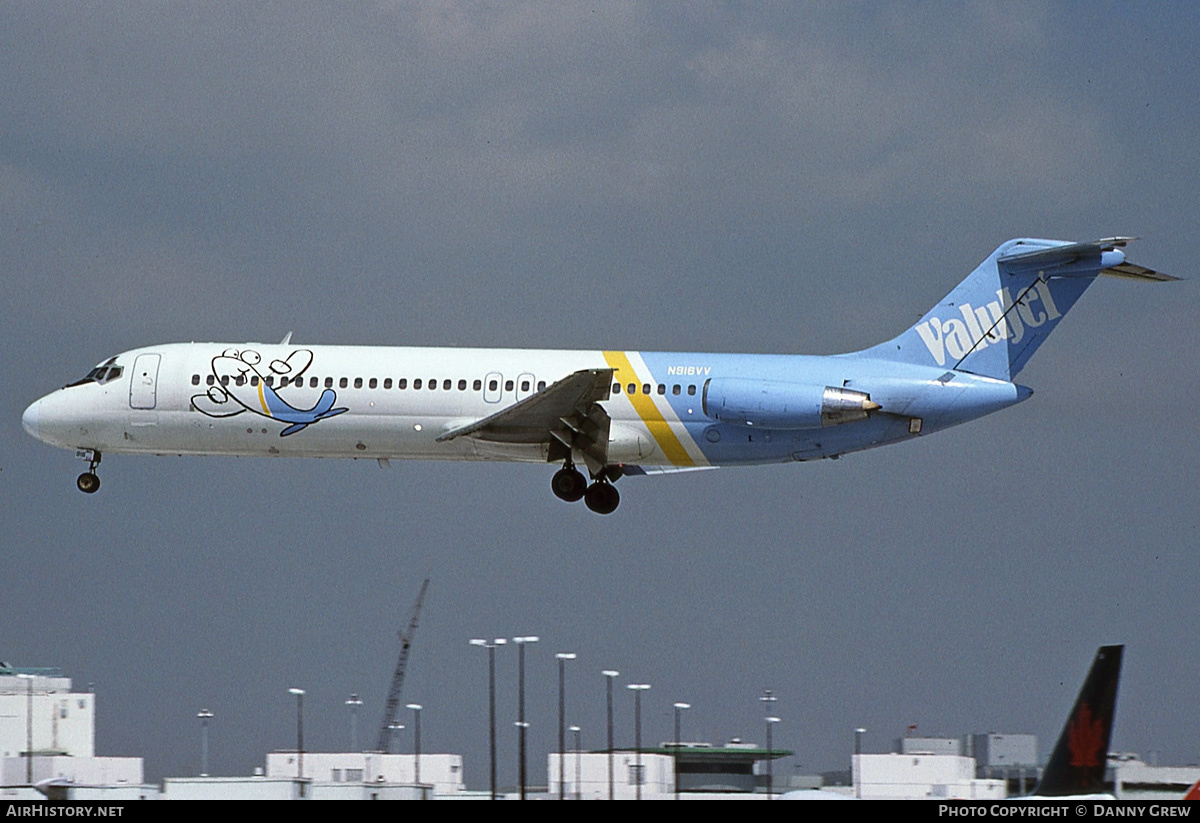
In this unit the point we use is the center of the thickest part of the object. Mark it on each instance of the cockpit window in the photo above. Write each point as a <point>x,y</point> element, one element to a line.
<point>106,372</point>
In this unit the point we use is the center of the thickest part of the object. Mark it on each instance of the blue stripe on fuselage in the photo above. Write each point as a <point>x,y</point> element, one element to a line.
<point>904,390</point>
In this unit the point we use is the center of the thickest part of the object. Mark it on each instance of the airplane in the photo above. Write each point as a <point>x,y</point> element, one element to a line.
<point>1076,767</point>
<point>617,413</point>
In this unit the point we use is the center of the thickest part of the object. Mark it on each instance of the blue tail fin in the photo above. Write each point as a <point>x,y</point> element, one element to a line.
<point>993,322</point>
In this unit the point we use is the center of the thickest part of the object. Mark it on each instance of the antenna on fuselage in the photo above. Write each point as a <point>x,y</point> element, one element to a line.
<point>287,338</point>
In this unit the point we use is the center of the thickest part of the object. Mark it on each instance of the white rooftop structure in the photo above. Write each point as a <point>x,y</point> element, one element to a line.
<point>921,777</point>
<point>48,734</point>
<point>38,709</point>
<point>442,773</point>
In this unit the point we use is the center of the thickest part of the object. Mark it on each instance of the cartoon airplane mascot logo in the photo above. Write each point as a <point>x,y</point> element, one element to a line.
<point>238,386</point>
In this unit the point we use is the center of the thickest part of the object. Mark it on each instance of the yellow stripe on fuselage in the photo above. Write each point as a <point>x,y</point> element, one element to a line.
<point>643,404</point>
<point>262,399</point>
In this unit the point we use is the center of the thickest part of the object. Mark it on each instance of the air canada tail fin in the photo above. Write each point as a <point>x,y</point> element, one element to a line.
<point>993,322</point>
<point>1077,765</point>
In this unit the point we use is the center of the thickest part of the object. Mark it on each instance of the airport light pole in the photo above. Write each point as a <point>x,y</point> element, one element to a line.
<point>28,678</point>
<point>521,724</point>
<point>393,727</point>
<point>354,701</point>
<point>856,765</point>
<point>522,727</point>
<point>768,700</point>
<point>562,657</point>
<point>491,647</point>
<point>609,675</point>
<point>299,731</point>
<point>771,721</point>
<point>679,707</point>
<point>416,710</point>
<point>637,689</point>
<point>578,769</point>
<point>205,715</point>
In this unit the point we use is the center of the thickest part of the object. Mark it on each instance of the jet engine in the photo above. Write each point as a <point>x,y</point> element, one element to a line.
<point>770,404</point>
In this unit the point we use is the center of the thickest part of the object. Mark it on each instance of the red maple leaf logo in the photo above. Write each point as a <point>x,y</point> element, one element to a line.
<point>1085,738</point>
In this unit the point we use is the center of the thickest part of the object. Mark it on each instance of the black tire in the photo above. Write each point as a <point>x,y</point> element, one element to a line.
<point>568,485</point>
<point>88,483</point>
<point>602,498</point>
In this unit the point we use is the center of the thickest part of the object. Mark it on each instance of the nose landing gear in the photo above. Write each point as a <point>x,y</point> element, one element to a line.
<point>89,481</point>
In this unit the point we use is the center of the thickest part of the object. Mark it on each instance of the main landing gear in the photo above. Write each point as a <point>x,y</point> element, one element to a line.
<point>570,485</point>
<point>89,481</point>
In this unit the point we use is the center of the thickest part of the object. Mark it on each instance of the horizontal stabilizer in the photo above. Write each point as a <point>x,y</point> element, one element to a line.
<point>1132,271</point>
<point>1040,256</point>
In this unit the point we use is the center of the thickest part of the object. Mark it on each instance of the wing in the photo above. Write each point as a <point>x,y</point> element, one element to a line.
<point>567,415</point>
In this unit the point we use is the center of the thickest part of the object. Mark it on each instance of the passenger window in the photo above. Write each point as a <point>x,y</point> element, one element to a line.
<point>269,380</point>
<point>254,380</point>
<point>675,389</point>
<point>508,385</point>
<point>524,385</point>
<point>209,380</point>
<point>240,380</point>
<point>329,382</point>
<point>662,388</point>
<point>283,381</point>
<point>343,383</point>
<point>492,385</point>
<point>462,385</point>
<point>402,383</point>
<point>477,385</point>
<point>632,388</point>
<point>432,383</point>
<point>645,388</point>
<point>224,380</point>
<point>541,385</point>
<point>373,384</point>
<point>358,382</point>
<point>616,388</point>
<point>691,389</point>
<point>312,382</point>
<point>446,384</point>
<point>195,380</point>
<point>387,382</point>
<point>417,383</point>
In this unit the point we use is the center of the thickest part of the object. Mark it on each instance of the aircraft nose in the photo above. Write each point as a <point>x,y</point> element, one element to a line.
<point>29,420</point>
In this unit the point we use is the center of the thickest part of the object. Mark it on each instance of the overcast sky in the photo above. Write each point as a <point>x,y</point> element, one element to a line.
<point>702,176</point>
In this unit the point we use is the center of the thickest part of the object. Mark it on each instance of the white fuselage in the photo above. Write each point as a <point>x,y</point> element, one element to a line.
<point>398,401</point>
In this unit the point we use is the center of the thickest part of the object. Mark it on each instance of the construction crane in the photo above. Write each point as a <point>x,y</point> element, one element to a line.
<point>393,698</point>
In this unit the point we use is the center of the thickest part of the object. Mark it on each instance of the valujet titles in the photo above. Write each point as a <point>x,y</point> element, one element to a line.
<point>992,324</point>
